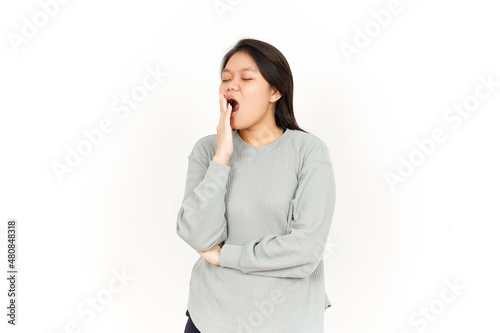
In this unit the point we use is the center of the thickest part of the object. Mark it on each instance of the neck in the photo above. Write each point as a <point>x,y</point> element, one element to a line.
<point>261,136</point>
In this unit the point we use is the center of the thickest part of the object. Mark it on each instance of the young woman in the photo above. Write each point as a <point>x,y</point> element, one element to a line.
<point>258,206</point>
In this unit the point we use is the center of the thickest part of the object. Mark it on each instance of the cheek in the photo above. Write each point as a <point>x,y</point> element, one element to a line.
<point>258,94</point>
<point>262,97</point>
<point>257,102</point>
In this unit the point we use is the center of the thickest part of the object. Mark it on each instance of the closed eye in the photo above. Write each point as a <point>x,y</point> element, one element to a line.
<point>242,79</point>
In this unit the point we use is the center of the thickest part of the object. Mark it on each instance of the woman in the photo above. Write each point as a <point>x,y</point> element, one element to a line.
<point>258,206</point>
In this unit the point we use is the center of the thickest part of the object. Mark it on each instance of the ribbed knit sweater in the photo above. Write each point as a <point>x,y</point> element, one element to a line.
<point>271,210</point>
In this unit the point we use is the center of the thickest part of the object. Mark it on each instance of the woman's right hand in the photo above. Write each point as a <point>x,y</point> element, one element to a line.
<point>224,131</point>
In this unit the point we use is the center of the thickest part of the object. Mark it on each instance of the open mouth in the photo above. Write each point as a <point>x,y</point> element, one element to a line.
<point>234,105</point>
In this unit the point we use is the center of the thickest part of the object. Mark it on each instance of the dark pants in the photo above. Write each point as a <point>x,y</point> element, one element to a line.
<point>190,328</point>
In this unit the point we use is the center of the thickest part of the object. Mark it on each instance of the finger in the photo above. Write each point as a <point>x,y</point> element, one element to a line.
<point>221,97</point>
<point>224,103</point>
<point>221,102</point>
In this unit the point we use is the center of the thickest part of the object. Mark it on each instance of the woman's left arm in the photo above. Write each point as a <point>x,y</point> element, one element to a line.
<point>298,253</point>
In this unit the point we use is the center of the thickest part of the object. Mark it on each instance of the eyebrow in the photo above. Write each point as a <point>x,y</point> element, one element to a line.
<point>249,69</point>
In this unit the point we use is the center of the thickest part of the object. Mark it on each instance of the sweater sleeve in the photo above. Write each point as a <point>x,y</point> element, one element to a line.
<point>297,253</point>
<point>201,221</point>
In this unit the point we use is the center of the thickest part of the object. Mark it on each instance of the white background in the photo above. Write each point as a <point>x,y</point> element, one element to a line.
<point>390,252</point>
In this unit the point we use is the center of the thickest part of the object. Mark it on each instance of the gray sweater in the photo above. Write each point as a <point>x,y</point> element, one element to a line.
<point>271,210</point>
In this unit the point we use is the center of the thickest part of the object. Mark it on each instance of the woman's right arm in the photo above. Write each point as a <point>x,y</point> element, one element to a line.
<point>201,219</point>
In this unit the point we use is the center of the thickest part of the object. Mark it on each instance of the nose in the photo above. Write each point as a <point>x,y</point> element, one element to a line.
<point>231,85</point>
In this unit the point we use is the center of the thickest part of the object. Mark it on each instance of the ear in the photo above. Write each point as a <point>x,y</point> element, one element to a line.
<point>275,96</point>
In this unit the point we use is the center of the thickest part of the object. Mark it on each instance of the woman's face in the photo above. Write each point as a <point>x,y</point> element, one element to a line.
<point>256,99</point>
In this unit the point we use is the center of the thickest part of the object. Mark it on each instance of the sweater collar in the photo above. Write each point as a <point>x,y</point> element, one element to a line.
<point>242,145</point>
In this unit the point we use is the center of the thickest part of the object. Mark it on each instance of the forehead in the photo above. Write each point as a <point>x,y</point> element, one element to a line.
<point>240,62</point>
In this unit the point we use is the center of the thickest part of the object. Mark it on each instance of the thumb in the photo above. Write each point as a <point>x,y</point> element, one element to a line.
<point>229,109</point>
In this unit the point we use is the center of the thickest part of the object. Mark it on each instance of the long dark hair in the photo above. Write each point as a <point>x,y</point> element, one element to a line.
<point>276,71</point>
